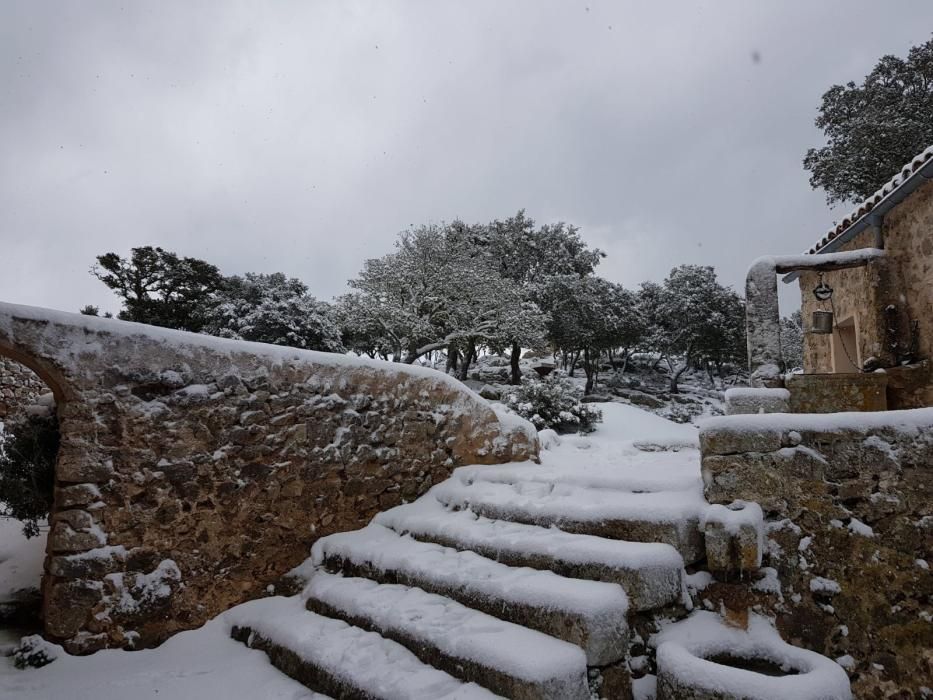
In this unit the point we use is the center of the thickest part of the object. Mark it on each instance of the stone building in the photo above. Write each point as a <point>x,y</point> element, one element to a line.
<point>883,311</point>
<point>870,282</point>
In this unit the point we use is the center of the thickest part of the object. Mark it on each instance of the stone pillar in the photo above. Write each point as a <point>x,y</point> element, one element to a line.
<point>763,324</point>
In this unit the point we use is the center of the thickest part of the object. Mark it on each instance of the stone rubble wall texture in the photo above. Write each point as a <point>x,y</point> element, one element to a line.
<point>19,387</point>
<point>904,278</point>
<point>848,509</point>
<point>194,472</point>
<point>837,393</point>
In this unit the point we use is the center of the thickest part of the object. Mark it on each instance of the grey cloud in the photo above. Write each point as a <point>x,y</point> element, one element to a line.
<point>303,136</point>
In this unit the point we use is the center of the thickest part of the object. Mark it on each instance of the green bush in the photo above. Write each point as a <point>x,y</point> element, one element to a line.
<point>28,448</point>
<point>554,402</point>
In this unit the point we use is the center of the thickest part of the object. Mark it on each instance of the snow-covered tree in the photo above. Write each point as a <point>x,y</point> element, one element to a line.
<point>589,316</point>
<point>274,309</point>
<point>874,128</point>
<point>438,290</point>
<point>531,257</point>
<point>693,318</point>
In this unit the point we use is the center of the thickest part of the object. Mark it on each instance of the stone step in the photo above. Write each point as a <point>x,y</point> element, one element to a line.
<point>645,472</point>
<point>650,573</point>
<point>506,658</point>
<point>329,656</point>
<point>671,517</point>
<point>589,614</point>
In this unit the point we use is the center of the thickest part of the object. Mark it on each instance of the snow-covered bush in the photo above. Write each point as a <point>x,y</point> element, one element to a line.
<point>34,652</point>
<point>553,402</point>
<point>28,448</point>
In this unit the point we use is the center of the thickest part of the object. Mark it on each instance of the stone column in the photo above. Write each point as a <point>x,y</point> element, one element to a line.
<point>763,324</point>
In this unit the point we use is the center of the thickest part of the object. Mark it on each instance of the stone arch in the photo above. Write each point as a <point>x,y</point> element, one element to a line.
<point>49,376</point>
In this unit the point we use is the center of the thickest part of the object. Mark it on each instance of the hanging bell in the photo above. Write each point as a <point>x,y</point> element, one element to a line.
<point>822,322</point>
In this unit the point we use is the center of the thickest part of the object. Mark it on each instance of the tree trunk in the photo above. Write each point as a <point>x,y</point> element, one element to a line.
<point>588,370</point>
<point>453,357</point>
<point>514,360</point>
<point>574,357</point>
<point>469,354</point>
<point>675,377</point>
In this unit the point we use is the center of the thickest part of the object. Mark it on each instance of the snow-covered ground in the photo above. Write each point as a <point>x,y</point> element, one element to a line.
<point>207,663</point>
<point>631,450</point>
<point>20,558</point>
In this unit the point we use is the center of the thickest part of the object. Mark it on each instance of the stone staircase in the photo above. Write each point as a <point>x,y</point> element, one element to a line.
<point>489,583</point>
<point>539,582</point>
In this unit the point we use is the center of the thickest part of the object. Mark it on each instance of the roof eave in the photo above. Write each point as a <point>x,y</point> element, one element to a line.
<point>895,197</point>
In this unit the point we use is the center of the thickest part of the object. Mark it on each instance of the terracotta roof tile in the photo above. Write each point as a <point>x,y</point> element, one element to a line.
<point>865,207</point>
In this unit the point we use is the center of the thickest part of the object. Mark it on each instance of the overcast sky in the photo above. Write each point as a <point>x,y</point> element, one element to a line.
<point>302,137</point>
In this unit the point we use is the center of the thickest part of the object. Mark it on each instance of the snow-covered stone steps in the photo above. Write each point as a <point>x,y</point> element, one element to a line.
<point>670,517</point>
<point>329,656</point>
<point>657,472</point>
<point>589,614</point>
<point>508,659</point>
<point>650,573</point>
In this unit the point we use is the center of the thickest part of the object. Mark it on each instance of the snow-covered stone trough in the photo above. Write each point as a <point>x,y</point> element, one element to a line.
<point>700,658</point>
<point>195,471</point>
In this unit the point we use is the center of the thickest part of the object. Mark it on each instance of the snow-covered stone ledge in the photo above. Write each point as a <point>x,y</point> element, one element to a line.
<point>848,506</point>
<point>195,471</point>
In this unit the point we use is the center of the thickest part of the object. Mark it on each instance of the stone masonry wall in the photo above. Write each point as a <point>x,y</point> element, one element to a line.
<point>848,505</point>
<point>194,472</point>
<point>904,279</point>
<point>19,387</point>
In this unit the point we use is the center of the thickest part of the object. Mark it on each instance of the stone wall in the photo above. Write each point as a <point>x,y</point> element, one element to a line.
<point>19,387</point>
<point>848,503</point>
<point>835,393</point>
<point>194,472</point>
<point>903,279</point>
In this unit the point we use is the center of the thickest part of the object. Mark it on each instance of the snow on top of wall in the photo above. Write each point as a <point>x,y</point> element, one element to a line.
<point>809,260</point>
<point>81,324</point>
<point>756,393</point>
<point>910,421</point>
<point>684,647</point>
<point>906,172</point>
<point>84,328</point>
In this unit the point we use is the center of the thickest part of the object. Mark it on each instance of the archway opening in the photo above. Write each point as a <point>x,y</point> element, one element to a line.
<point>29,442</point>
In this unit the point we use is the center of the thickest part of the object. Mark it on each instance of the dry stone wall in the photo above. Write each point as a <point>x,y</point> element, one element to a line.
<point>19,387</point>
<point>195,472</point>
<point>848,504</point>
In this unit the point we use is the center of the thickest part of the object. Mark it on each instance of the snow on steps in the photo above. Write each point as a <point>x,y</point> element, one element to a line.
<point>336,658</point>
<point>650,573</point>
<point>589,614</point>
<point>671,517</point>
<point>508,659</point>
